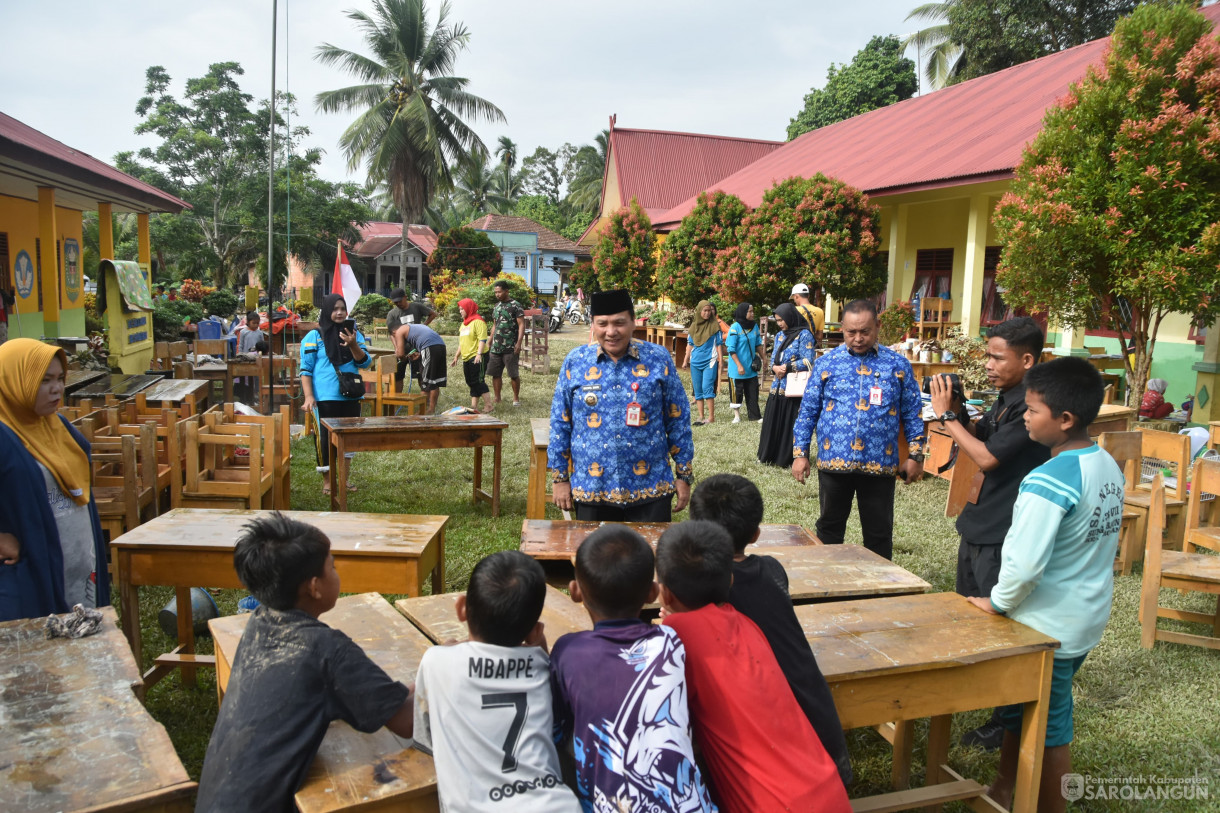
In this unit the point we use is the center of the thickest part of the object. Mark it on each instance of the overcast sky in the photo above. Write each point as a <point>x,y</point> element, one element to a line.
<point>74,69</point>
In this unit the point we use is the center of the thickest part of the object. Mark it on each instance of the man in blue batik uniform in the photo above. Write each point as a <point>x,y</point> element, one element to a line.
<point>859,395</point>
<point>619,413</point>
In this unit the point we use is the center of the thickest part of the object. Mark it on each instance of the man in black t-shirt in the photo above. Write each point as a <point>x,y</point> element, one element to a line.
<point>1005,453</point>
<point>406,312</point>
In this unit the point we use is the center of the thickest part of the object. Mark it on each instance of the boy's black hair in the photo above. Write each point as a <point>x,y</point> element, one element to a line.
<point>1022,334</point>
<point>260,346</point>
<point>1068,385</point>
<point>614,566</point>
<point>505,597</point>
<point>502,284</point>
<point>253,319</point>
<point>695,563</point>
<point>861,306</point>
<point>732,502</point>
<point>275,555</point>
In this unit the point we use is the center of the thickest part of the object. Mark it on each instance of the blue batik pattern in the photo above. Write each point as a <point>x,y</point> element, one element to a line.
<point>613,463</point>
<point>797,356</point>
<point>852,434</point>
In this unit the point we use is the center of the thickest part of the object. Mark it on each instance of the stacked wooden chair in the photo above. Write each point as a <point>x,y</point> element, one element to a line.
<point>171,357</point>
<point>386,397</point>
<point>231,460</point>
<point>1148,450</point>
<point>124,472</point>
<point>1196,568</point>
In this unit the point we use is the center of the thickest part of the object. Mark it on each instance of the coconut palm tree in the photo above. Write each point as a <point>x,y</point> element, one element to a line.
<point>506,151</point>
<point>585,188</point>
<point>944,56</point>
<point>411,123</point>
<point>475,184</point>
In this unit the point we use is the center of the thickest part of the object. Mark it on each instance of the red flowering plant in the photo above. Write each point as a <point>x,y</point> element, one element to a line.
<point>624,254</point>
<point>817,230</point>
<point>1113,219</point>
<point>690,256</point>
<point>193,290</point>
<point>466,251</point>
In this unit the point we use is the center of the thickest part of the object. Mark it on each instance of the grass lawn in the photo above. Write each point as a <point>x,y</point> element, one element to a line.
<point>1138,712</point>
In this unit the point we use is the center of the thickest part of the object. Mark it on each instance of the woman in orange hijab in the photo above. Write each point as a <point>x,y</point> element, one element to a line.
<point>52,554</point>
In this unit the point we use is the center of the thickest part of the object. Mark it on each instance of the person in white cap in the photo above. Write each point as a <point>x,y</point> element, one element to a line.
<point>813,316</point>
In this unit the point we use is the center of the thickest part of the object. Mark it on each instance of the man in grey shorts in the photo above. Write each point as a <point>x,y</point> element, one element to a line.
<point>507,332</point>
<point>424,346</point>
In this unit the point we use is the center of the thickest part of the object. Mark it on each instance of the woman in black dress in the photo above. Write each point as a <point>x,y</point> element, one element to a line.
<point>793,353</point>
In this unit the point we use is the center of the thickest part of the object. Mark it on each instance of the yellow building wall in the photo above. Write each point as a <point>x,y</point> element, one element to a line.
<point>19,220</point>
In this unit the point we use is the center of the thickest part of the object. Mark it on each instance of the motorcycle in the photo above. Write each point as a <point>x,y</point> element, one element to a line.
<point>576,313</point>
<point>557,315</point>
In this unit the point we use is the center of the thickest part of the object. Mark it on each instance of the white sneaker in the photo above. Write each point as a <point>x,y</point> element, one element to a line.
<point>736,418</point>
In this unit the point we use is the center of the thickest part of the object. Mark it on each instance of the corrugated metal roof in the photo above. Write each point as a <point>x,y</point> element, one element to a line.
<point>661,169</point>
<point>378,237</point>
<point>966,133</point>
<point>547,239</point>
<point>21,142</point>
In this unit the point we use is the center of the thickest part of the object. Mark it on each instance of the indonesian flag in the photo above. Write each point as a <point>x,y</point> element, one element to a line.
<point>345,284</point>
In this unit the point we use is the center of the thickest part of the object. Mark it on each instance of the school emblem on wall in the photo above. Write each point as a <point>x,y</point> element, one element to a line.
<point>71,269</point>
<point>23,274</point>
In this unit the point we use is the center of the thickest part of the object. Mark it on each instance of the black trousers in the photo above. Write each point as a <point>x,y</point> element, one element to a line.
<point>874,495</point>
<point>652,511</point>
<point>474,378</point>
<point>745,390</point>
<point>331,409</point>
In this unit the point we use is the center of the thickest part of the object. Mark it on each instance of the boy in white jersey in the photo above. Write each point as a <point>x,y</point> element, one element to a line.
<point>483,707</point>
<point>1057,566</point>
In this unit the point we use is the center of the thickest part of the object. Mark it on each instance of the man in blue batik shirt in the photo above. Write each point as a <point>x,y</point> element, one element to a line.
<point>619,413</point>
<point>859,396</point>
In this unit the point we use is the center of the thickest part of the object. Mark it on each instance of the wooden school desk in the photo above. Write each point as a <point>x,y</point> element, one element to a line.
<point>193,547</point>
<point>76,736</point>
<point>415,432</point>
<point>436,616</point>
<point>355,770</point>
<point>899,658</point>
<point>173,392</point>
<point>535,495</point>
<point>557,540</point>
<point>834,572</point>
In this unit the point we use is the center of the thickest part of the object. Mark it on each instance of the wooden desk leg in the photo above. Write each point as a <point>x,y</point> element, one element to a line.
<point>938,753</point>
<point>904,744</point>
<point>338,464</point>
<point>438,572</point>
<point>228,386</point>
<point>478,473</point>
<point>1033,741</point>
<point>129,601</point>
<point>495,478</point>
<point>535,499</point>
<point>186,632</point>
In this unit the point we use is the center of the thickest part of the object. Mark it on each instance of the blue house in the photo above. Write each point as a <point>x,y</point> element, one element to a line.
<point>532,250</point>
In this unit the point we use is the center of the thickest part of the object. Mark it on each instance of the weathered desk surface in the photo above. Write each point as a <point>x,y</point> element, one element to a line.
<point>116,384</point>
<point>75,379</point>
<point>352,768</point>
<point>380,434</point>
<point>1112,418</point>
<point>174,391</point>
<point>193,547</point>
<point>820,572</point>
<point>545,539</point>
<point>900,658</point>
<point>75,736</point>
<point>436,616</point>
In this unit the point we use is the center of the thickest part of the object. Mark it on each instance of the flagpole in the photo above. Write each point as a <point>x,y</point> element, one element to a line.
<point>271,229</point>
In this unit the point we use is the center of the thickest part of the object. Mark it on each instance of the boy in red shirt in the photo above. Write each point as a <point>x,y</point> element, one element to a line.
<point>762,753</point>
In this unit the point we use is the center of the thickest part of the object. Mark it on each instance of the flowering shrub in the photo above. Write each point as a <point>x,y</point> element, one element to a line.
<point>466,250</point>
<point>693,255</point>
<point>623,256</point>
<point>895,322</point>
<point>817,230</point>
<point>194,291</point>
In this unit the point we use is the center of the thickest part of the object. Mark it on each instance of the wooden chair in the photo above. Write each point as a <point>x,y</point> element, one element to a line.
<point>385,395</point>
<point>277,433</point>
<point>1185,570</point>
<point>1137,452</point>
<point>933,321</point>
<point>213,347</point>
<point>125,477</point>
<point>216,477</point>
<point>168,431</point>
<point>284,375</point>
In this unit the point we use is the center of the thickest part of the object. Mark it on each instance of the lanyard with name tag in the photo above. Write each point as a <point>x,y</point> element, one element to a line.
<point>634,410</point>
<point>874,393</point>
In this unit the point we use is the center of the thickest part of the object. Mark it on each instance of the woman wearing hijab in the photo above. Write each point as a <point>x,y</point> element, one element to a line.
<point>52,554</point>
<point>703,355</point>
<point>325,352</point>
<point>1153,404</point>
<point>472,351</point>
<point>741,346</point>
<point>793,353</point>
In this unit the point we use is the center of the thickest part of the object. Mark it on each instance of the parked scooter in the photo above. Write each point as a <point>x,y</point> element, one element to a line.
<point>576,313</point>
<point>557,315</point>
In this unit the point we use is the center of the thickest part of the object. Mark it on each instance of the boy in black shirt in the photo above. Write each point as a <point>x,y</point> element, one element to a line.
<point>760,592</point>
<point>1001,447</point>
<point>292,674</point>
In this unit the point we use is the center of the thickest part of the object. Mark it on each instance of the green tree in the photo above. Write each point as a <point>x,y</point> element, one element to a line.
<point>623,256</point>
<point>878,75</point>
<point>1114,214</point>
<point>475,182</point>
<point>539,209</point>
<point>942,53</point>
<point>541,174</point>
<point>691,256</point>
<point>411,111</point>
<point>588,169</point>
<point>506,151</point>
<point>814,230</point>
<point>466,251</point>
